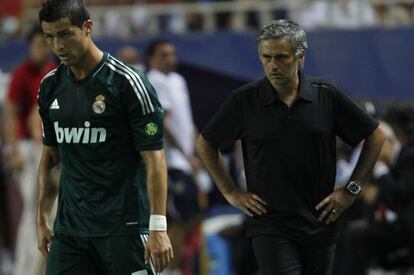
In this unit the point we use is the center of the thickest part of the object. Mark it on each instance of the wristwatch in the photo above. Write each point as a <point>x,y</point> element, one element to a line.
<point>353,188</point>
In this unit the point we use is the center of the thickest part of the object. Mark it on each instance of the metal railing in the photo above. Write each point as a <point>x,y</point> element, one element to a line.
<point>151,19</point>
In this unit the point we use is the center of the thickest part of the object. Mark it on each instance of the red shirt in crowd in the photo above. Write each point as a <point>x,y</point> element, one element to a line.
<point>23,89</point>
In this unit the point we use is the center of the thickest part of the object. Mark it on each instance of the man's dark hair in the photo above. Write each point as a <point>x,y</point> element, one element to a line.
<point>152,47</point>
<point>35,30</point>
<point>74,10</point>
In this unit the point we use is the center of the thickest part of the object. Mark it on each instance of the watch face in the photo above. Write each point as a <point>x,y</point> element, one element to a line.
<point>353,188</point>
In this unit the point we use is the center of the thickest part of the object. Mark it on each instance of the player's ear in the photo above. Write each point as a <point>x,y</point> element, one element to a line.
<point>87,26</point>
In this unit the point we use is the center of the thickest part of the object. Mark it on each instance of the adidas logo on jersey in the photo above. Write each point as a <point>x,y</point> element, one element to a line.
<point>55,104</point>
<point>80,135</point>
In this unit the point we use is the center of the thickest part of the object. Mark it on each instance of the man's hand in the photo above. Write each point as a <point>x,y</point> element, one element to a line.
<point>44,238</point>
<point>335,204</point>
<point>248,202</point>
<point>158,250</point>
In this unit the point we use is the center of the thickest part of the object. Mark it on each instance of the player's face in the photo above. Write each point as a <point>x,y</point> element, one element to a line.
<point>279,62</point>
<point>39,52</point>
<point>164,58</point>
<point>67,41</point>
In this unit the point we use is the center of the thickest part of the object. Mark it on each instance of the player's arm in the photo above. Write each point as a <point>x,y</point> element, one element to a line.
<point>47,192</point>
<point>159,246</point>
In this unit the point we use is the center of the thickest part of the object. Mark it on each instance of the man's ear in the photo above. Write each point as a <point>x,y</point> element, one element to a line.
<point>87,26</point>
<point>301,58</point>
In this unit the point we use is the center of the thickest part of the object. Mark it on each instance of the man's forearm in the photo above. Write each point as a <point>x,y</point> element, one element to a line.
<point>369,154</point>
<point>47,189</point>
<point>156,181</point>
<point>214,164</point>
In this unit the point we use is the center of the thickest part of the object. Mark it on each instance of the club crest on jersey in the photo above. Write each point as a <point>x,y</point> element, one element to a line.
<point>99,105</point>
<point>151,129</point>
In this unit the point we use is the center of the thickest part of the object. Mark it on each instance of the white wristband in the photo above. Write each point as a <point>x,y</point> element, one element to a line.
<point>158,223</point>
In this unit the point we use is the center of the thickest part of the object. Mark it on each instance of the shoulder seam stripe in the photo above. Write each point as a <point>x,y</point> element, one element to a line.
<point>131,82</point>
<point>52,72</point>
<point>137,87</point>
<point>138,78</point>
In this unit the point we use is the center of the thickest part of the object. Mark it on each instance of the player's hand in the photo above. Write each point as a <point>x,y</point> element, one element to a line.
<point>335,204</point>
<point>250,203</point>
<point>158,250</point>
<point>44,238</point>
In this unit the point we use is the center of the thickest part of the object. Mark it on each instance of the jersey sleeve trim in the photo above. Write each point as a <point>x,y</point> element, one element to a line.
<point>49,74</point>
<point>136,83</point>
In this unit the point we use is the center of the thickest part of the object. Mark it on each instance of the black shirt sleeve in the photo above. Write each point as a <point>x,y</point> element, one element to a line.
<point>225,126</point>
<point>352,123</point>
<point>144,115</point>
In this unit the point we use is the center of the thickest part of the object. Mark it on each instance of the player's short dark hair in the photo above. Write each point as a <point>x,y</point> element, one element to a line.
<point>153,45</point>
<point>75,10</point>
<point>35,30</point>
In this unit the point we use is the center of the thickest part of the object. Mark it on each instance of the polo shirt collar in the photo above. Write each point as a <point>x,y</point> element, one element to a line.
<point>269,95</point>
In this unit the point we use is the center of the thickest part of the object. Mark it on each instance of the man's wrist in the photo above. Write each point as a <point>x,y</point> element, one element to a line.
<point>42,220</point>
<point>353,188</point>
<point>157,223</point>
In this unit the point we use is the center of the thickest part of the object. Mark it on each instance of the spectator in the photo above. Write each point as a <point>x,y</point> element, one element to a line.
<point>22,151</point>
<point>180,133</point>
<point>130,55</point>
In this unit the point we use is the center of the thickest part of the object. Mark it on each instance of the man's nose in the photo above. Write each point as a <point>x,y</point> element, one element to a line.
<point>273,64</point>
<point>57,44</point>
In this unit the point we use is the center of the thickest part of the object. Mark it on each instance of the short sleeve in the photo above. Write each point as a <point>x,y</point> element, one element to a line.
<point>225,126</point>
<point>144,114</point>
<point>49,136</point>
<point>352,123</point>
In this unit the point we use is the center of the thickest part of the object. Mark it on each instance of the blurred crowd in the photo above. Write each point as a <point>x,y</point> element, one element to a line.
<point>148,17</point>
<point>208,235</point>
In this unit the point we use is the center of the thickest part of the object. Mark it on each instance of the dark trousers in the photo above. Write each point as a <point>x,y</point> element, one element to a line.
<point>280,256</point>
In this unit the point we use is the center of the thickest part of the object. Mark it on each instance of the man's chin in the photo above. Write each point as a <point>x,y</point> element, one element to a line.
<point>67,62</point>
<point>277,80</point>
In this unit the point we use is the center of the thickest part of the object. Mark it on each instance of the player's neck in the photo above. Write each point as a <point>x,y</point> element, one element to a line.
<point>87,63</point>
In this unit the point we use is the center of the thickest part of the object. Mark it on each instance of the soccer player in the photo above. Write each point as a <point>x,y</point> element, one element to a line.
<point>102,123</point>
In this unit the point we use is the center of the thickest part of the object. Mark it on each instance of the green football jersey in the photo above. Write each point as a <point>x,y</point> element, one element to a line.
<point>99,124</point>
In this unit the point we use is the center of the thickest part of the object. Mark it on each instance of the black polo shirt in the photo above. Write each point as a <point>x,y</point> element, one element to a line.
<point>290,153</point>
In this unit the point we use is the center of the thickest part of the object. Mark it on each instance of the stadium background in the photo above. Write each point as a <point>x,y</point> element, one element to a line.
<point>365,46</point>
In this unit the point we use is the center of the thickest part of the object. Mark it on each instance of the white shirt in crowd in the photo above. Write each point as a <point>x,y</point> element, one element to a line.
<point>174,97</point>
